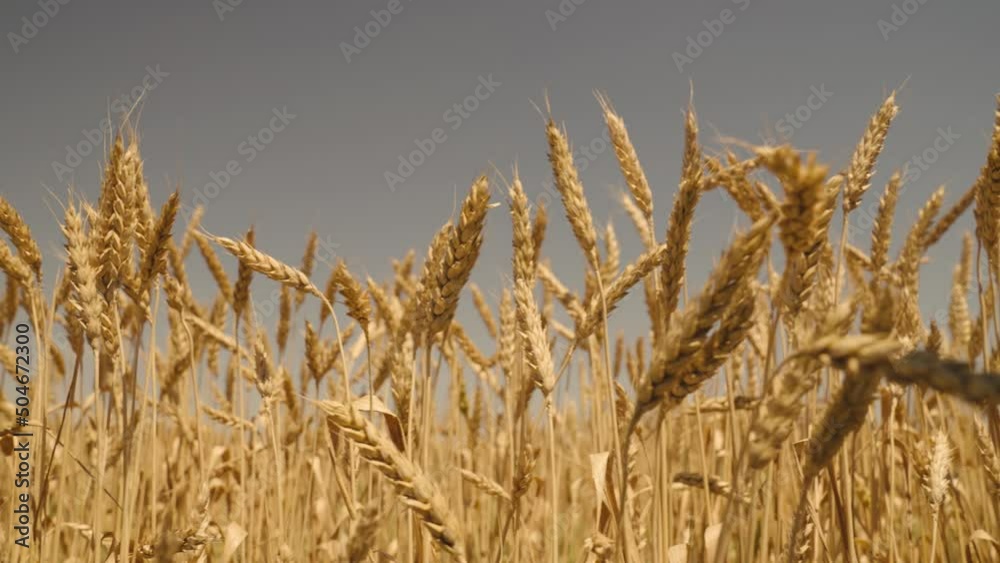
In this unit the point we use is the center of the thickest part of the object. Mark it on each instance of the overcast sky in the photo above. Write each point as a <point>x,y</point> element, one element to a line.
<point>310,104</point>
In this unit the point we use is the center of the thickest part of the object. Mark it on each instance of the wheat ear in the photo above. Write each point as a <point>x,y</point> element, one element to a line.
<point>308,263</point>
<point>358,300</point>
<point>20,235</point>
<point>570,189</point>
<point>862,166</point>
<point>730,276</point>
<point>619,287</point>
<point>959,319</point>
<point>113,230</point>
<point>415,490</point>
<point>988,196</point>
<point>264,264</point>
<point>787,388</point>
<point>991,461</point>
<point>628,159</point>
<point>244,277</point>
<point>154,254</point>
<point>951,216</point>
<point>681,218</point>
<point>946,376</point>
<point>88,306</point>
<point>882,228</point>
<point>214,266</point>
<point>455,260</point>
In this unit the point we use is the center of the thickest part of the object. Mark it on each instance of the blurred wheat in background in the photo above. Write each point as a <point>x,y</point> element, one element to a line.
<point>796,407</point>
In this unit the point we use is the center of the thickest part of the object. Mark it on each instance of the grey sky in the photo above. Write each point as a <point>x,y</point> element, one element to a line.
<point>216,81</point>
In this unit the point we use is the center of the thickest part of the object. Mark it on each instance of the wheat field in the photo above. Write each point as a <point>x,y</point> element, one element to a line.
<point>795,407</point>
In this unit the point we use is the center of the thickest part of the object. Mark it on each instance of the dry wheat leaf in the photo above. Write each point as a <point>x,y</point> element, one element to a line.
<point>677,553</point>
<point>598,469</point>
<point>234,534</point>
<point>374,404</point>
